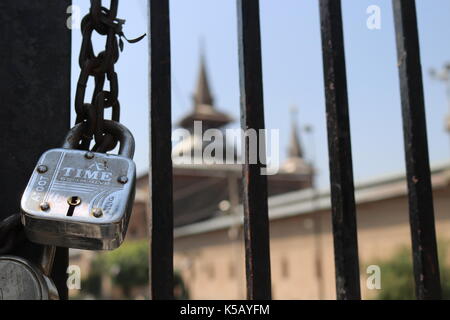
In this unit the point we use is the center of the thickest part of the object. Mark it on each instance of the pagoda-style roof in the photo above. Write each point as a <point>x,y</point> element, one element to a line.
<point>203,109</point>
<point>295,162</point>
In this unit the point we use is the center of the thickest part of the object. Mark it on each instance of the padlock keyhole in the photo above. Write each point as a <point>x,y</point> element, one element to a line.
<point>73,202</point>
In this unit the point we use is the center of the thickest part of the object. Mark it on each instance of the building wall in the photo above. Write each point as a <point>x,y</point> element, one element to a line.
<point>138,224</point>
<point>302,261</point>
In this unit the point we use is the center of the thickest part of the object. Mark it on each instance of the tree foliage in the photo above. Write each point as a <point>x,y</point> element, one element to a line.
<point>128,268</point>
<point>128,265</point>
<point>397,276</point>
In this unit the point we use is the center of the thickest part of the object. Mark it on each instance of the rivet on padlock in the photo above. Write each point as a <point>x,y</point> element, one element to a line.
<point>23,280</point>
<point>84,199</point>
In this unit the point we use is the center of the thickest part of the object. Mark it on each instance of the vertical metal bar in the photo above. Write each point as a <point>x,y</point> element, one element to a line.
<point>161,192</point>
<point>35,103</point>
<point>256,221</point>
<point>339,150</point>
<point>421,212</point>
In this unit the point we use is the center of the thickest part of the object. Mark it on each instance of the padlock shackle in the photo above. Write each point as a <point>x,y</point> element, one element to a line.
<point>114,128</point>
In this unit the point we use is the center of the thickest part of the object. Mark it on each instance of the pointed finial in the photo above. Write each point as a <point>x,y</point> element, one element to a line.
<point>201,45</point>
<point>295,150</point>
<point>202,95</point>
<point>294,111</point>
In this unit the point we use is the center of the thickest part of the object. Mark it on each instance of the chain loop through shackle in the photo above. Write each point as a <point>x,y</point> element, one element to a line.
<point>104,21</point>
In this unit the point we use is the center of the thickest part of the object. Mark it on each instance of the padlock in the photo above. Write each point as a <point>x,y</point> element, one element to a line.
<point>23,280</point>
<point>81,199</point>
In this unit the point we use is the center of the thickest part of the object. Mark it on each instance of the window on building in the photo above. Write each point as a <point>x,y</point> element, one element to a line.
<point>231,270</point>
<point>210,271</point>
<point>192,269</point>
<point>284,268</point>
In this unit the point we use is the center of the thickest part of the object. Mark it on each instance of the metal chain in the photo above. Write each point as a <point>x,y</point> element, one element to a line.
<point>101,67</point>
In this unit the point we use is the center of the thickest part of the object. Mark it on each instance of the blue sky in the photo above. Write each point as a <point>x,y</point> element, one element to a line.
<point>292,68</point>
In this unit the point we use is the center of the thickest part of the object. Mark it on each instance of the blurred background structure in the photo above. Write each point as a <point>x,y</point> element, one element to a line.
<point>209,250</point>
<point>209,253</point>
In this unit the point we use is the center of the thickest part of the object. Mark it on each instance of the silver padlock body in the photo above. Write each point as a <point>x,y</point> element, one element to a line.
<point>21,280</point>
<point>95,181</point>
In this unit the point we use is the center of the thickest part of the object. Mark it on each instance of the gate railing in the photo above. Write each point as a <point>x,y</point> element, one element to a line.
<point>24,117</point>
<point>35,104</point>
<point>256,222</point>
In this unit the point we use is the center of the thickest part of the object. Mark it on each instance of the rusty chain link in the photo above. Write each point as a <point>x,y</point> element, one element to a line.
<point>101,67</point>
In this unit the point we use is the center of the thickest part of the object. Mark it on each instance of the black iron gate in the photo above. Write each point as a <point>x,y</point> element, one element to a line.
<point>256,225</point>
<point>35,63</point>
<point>35,111</point>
